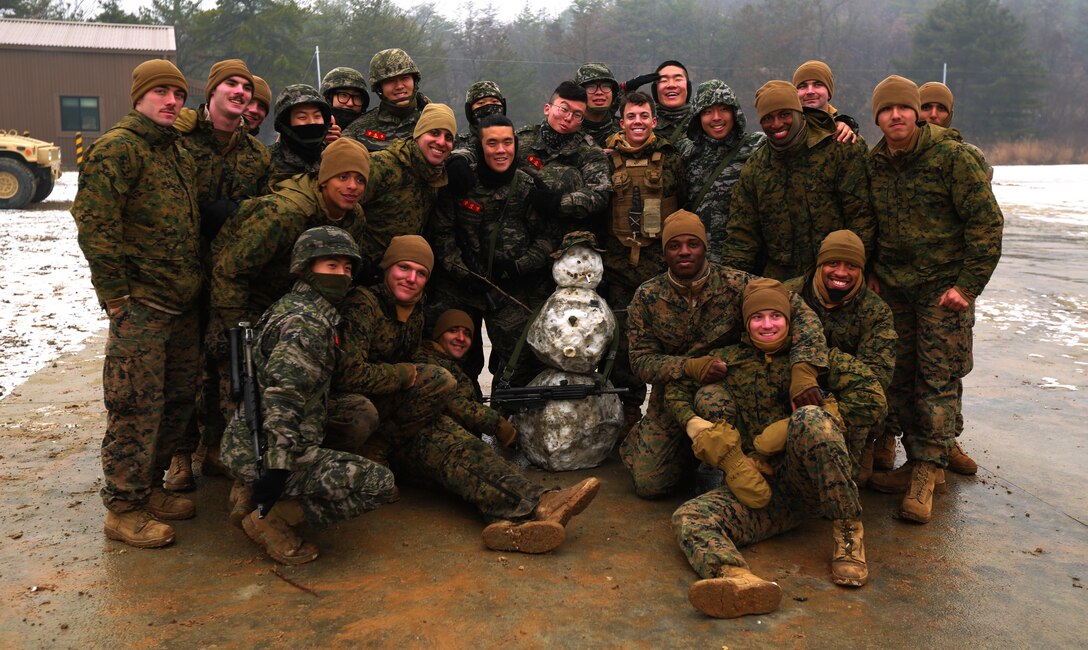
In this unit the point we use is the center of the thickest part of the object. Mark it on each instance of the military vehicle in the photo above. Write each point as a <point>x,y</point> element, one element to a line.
<point>28,169</point>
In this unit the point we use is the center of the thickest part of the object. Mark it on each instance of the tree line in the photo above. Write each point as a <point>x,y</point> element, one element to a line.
<point>1016,67</point>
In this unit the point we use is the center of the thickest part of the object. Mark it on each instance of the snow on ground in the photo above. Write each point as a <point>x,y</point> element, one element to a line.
<point>47,305</point>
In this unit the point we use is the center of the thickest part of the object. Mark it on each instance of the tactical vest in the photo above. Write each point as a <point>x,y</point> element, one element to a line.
<point>632,229</point>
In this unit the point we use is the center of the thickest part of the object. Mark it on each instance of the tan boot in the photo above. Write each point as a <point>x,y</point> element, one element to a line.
<point>884,452</point>
<point>918,503</point>
<point>138,528</point>
<point>524,537</point>
<point>241,502</point>
<point>960,463</point>
<point>276,535</point>
<point>560,505</point>
<point>737,593</point>
<point>898,480</point>
<point>166,506</point>
<point>848,565</point>
<point>179,477</point>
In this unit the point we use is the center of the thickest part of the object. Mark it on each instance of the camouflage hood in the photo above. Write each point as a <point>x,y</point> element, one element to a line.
<point>710,93</point>
<point>478,91</point>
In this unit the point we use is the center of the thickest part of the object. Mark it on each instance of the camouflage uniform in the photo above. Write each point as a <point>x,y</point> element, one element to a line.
<point>418,438</point>
<point>664,331</point>
<point>787,202</point>
<point>979,157</point>
<point>621,277</point>
<point>464,407</point>
<point>863,327</point>
<point>288,160</point>
<point>672,123</point>
<point>702,155</point>
<point>609,126</point>
<point>461,233</point>
<point>339,79</point>
<point>296,354</point>
<point>940,227</point>
<point>399,198</point>
<point>476,92</point>
<point>138,223</point>
<point>578,169</point>
<point>813,477</point>
<point>237,169</point>
<point>380,127</point>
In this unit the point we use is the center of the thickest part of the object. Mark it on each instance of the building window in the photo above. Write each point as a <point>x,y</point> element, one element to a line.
<point>79,114</point>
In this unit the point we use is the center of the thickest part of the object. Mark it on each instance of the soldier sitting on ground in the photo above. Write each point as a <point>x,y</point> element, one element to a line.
<point>301,480</point>
<point>302,120</point>
<point>383,334</point>
<point>813,476</point>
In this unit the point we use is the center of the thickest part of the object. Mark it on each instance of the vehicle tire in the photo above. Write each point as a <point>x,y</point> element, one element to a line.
<point>45,186</point>
<point>17,184</point>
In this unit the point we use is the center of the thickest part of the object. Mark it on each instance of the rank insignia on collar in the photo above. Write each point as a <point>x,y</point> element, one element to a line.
<point>377,135</point>
<point>469,205</point>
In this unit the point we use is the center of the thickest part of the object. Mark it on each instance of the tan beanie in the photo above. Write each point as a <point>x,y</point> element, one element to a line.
<point>817,70</point>
<point>450,319</point>
<point>842,246</point>
<point>896,91</point>
<point>344,155</point>
<point>682,222</point>
<point>262,92</point>
<point>435,116</point>
<point>222,71</point>
<point>156,72</point>
<point>776,95</point>
<point>764,293</point>
<point>408,247</point>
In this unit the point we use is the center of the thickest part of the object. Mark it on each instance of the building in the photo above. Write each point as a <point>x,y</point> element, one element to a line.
<point>63,78</point>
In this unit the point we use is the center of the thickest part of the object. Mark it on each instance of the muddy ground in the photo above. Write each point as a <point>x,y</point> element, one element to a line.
<point>1003,563</point>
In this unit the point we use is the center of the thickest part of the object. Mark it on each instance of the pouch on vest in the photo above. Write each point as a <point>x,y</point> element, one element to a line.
<point>647,174</point>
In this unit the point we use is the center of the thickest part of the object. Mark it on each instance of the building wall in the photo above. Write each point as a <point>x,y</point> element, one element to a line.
<point>36,79</point>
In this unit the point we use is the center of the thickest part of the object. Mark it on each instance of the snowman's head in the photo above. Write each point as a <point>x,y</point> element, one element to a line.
<point>579,266</point>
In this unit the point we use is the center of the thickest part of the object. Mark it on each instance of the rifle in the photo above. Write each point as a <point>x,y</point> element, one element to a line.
<point>244,391</point>
<point>534,397</point>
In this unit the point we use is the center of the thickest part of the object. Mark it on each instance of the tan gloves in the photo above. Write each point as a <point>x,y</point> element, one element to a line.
<point>773,439</point>
<point>505,432</point>
<point>719,445</point>
<point>697,368</point>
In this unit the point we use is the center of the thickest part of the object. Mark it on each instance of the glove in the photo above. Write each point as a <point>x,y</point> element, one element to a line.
<point>773,438</point>
<point>214,214</point>
<point>506,433</point>
<point>407,372</point>
<point>506,269</point>
<point>803,383</point>
<point>269,488</point>
<point>719,446</point>
<point>832,407</point>
<point>639,81</point>
<point>544,199</point>
<point>367,274</point>
<point>697,425</point>
<point>461,177</point>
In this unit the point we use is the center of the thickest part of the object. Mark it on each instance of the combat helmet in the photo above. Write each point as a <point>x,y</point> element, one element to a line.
<point>391,63</point>
<point>322,241</point>
<point>344,77</point>
<point>478,91</point>
<point>297,94</point>
<point>596,72</point>
<point>715,91</point>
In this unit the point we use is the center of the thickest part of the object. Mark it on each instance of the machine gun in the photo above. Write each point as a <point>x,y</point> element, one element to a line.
<point>244,391</point>
<point>534,397</point>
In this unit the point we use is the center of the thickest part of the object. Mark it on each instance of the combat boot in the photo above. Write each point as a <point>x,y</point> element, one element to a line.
<point>179,477</point>
<point>848,565</point>
<point>918,503</point>
<point>276,534</point>
<point>884,452</point>
<point>138,528</point>
<point>898,480</point>
<point>211,464</point>
<point>241,502</point>
<point>960,463</point>
<point>524,537</point>
<point>560,505</point>
<point>737,593</point>
<point>164,505</point>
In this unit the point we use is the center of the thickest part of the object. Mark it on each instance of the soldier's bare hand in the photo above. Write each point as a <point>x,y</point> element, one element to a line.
<point>716,372</point>
<point>953,300</point>
<point>334,132</point>
<point>843,133</point>
<point>811,397</point>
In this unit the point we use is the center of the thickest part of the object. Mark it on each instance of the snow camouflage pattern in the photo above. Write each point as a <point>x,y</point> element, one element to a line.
<point>664,331</point>
<point>297,351</point>
<point>863,327</point>
<point>702,155</point>
<point>578,169</point>
<point>787,202</point>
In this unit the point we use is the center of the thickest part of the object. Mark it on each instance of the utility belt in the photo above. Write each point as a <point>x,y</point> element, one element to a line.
<point>638,203</point>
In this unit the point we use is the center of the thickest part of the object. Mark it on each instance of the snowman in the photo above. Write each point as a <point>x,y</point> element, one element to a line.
<point>571,334</point>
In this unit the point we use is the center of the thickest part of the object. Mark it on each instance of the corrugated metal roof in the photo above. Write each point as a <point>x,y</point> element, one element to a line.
<point>86,36</point>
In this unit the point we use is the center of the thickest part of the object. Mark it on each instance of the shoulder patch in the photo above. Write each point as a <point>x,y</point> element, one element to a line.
<point>377,135</point>
<point>536,162</point>
<point>469,205</point>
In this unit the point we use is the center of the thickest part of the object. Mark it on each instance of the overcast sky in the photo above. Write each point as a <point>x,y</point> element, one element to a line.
<point>449,8</point>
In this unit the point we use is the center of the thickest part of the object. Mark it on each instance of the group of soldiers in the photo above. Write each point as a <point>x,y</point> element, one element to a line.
<point>795,301</point>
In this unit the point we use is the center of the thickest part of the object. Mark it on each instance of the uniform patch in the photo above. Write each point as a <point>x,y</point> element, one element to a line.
<point>536,162</point>
<point>469,205</point>
<point>377,135</point>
